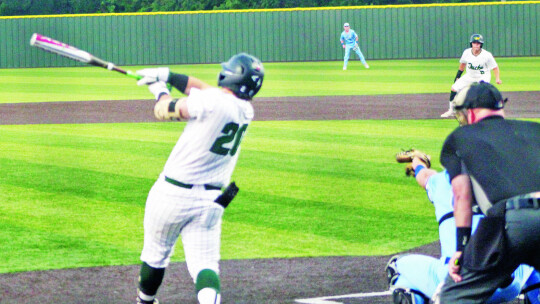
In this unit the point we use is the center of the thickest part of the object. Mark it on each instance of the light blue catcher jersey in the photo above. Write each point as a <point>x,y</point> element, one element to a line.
<point>439,191</point>
<point>349,38</point>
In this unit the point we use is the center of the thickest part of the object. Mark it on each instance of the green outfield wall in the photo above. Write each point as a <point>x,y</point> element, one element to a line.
<point>301,34</point>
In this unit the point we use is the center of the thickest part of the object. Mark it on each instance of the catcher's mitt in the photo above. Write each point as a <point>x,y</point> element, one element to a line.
<point>407,157</point>
<point>409,171</point>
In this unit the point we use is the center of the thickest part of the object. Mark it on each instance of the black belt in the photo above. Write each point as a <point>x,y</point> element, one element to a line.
<point>189,186</point>
<point>523,203</point>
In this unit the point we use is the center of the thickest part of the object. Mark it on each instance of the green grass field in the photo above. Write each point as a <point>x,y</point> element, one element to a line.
<point>281,79</point>
<point>74,195</point>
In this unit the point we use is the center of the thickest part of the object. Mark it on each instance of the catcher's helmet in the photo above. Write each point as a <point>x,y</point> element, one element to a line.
<point>477,38</point>
<point>243,74</point>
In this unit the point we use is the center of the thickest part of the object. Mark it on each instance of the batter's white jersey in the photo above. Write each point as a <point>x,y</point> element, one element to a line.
<point>478,68</point>
<point>208,148</point>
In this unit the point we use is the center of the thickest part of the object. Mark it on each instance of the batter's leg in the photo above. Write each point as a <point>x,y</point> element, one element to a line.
<point>149,281</point>
<point>162,225</point>
<point>201,239</point>
<point>208,287</point>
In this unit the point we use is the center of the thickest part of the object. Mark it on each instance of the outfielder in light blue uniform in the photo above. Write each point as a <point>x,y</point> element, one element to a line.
<point>415,277</point>
<point>349,40</point>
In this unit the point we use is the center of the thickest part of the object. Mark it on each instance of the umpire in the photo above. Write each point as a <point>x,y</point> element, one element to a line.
<point>495,163</point>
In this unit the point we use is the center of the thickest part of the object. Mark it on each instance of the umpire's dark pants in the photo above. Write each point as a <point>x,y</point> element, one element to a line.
<point>523,239</point>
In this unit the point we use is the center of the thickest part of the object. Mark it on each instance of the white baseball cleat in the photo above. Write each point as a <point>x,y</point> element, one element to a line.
<point>447,114</point>
<point>344,68</point>
<point>366,65</point>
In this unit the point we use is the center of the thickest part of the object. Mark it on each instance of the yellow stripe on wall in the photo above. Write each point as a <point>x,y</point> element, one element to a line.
<point>295,9</point>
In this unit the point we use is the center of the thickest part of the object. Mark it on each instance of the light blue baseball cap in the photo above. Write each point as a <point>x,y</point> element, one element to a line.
<point>346,24</point>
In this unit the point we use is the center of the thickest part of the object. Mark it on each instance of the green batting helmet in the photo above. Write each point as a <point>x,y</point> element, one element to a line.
<point>477,38</point>
<point>243,74</point>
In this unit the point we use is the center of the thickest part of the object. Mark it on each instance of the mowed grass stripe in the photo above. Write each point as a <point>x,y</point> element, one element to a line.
<point>333,189</point>
<point>354,224</point>
<point>42,230</point>
<point>80,183</point>
<point>281,79</point>
<point>128,164</point>
<point>41,249</point>
<point>362,133</point>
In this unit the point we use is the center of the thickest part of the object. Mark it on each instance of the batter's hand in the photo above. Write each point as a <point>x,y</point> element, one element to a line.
<point>499,81</point>
<point>454,266</point>
<point>152,75</point>
<point>158,88</point>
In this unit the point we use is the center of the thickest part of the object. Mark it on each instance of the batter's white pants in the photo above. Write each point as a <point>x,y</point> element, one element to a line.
<point>172,211</point>
<point>467,80</point>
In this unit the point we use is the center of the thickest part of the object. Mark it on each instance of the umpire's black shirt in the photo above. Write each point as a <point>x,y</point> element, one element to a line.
<point>502,155</point>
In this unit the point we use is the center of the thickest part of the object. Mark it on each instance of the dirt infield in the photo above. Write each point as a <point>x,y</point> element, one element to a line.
<point>243,281</point>
<point>418,106</point>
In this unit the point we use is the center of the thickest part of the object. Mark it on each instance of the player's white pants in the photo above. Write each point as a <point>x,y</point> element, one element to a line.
<point>191,213</point>
<point>467,80</point>
<point>355,48</point>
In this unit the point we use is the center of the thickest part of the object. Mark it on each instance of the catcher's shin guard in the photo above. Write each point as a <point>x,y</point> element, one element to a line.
<point>391,271</point>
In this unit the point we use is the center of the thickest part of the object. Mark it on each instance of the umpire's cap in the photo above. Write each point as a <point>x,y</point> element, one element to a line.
<point>480,95</point>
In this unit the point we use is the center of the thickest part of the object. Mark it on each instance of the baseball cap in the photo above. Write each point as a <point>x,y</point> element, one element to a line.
<point>480,95</point>
<point>346,24</point>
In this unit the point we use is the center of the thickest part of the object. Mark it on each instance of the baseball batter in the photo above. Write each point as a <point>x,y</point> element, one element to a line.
<point>186,200</point>
<point>349,40</point>
<point>414,278</point>
<point>478,63</point>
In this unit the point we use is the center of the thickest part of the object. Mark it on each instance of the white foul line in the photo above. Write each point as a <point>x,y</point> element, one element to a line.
<point>328,300</point>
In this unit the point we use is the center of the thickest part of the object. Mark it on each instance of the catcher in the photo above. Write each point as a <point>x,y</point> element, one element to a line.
<point>414,278</point>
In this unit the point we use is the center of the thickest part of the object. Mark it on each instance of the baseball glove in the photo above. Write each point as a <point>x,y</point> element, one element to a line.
<point>407,157</point>
<point>409,170</point>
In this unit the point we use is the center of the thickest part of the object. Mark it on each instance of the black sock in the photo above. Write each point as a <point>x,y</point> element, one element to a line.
<point>452,95</point>
<point>150,279</point>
